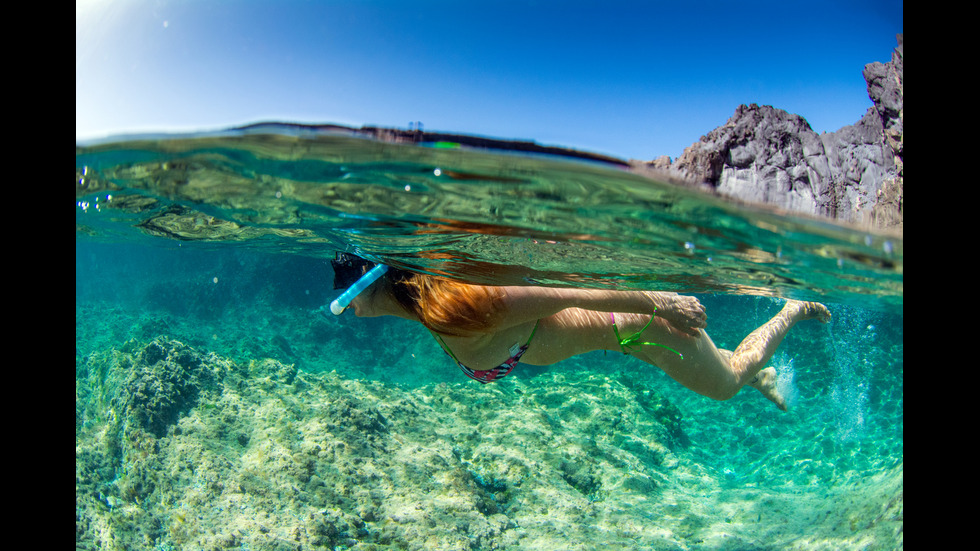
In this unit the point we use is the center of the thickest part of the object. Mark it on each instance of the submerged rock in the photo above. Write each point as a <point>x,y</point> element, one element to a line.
<point>208,453</point>
<point>165,381</point>
<point>261,456</point>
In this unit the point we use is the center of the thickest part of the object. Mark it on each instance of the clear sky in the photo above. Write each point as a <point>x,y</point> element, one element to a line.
<point>631,79</point>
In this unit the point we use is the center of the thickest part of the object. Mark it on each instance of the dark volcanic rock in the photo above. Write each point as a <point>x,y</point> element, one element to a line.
<point>764,154</point>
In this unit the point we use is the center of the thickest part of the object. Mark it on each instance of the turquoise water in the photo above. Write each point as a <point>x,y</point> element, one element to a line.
<point>215,408</point>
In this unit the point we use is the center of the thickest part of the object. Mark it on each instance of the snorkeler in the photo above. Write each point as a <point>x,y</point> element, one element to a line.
<point>487,330</point>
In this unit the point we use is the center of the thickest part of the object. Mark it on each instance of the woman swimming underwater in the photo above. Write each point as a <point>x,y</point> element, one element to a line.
<point>487,329</point>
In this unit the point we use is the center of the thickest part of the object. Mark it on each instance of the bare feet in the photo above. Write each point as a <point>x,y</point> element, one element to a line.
<point>810,310</point>
<point>765,382</point>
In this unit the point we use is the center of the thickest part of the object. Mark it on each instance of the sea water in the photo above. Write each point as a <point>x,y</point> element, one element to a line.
<point>217,406</point>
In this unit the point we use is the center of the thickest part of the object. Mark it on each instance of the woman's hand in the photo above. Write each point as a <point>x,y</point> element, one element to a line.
<point>685,313</point>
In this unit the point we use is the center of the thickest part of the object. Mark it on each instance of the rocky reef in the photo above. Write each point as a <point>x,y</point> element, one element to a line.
<point>181,449</point>
<point>766,155</point>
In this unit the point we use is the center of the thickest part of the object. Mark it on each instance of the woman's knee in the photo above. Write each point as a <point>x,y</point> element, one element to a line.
<point>722,391</point>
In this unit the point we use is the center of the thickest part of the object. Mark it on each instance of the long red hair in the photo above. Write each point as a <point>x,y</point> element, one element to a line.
<point>444,305</point>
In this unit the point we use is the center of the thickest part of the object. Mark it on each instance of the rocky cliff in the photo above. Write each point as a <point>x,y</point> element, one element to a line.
<point>764,154</point>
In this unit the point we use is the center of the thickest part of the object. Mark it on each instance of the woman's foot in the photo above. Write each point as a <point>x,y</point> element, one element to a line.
<point>810,310</point>
<point>765,382</point>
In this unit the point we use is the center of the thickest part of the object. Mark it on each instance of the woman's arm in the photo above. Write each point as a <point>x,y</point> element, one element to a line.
<point>524,304</point>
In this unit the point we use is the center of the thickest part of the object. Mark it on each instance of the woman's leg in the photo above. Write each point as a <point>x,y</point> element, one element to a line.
<point>755,350</point>
<point>717,373</point>
<point>704,368</point>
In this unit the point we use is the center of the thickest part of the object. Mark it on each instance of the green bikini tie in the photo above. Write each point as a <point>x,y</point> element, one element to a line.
<point>633,339</point>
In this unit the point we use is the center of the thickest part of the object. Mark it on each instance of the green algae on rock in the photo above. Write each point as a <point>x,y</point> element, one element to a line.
<point>257,455</point>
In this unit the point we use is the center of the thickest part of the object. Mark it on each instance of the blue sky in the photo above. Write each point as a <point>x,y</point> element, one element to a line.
<point>630,79</point>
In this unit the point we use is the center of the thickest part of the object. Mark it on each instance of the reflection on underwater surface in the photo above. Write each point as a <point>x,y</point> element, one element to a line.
<point>208,412</point>
<point>481,216</point>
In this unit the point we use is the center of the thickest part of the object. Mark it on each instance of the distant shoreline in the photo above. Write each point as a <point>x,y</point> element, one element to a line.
<point>397,135</point>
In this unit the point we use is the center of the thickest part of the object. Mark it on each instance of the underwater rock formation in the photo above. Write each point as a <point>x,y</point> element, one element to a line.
<point>211,454</point>
<point>763,154</point>
<point>166,381</point>
<point>208,453</point>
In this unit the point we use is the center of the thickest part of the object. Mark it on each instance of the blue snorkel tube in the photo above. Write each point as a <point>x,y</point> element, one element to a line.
<point>338,306</point>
